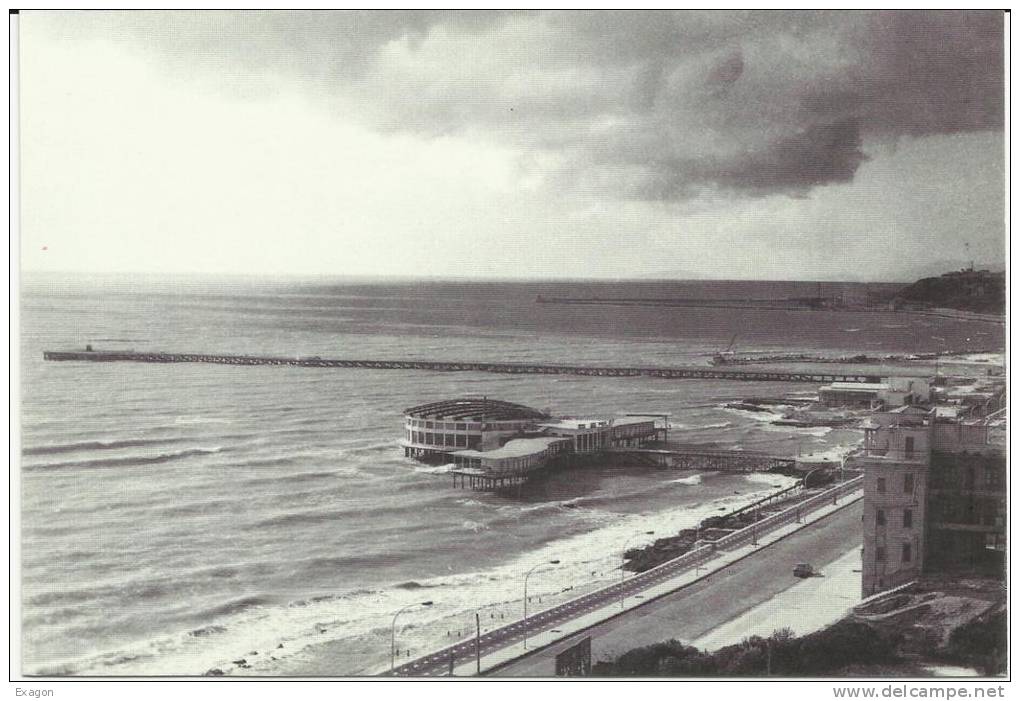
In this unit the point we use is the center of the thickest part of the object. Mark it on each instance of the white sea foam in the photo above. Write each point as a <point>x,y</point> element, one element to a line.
<point>692,480</point>
<point>435,469</point>
<point>761,416</point>
<point>817,431</point>
<point>724,424</point>
<point>587,560</point>
<point>833,454</point>
<point>777,481</point>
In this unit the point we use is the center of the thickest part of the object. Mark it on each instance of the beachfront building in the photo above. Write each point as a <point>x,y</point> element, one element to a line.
<point>934,497</point>
<point>438,429</point>
<point>492,443</point>
<point>893,392</point>
<point>597,435</point>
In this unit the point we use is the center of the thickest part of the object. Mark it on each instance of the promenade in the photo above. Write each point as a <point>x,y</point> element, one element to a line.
<point>730,602</point>
<point>543,628</point>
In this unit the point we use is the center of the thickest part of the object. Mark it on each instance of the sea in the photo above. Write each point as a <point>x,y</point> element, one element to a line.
<point>182,518</point>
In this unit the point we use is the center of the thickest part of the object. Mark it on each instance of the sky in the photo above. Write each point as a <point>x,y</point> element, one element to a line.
<point>730,145</point>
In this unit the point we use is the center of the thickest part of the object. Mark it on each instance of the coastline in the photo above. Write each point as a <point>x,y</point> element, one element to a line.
<point>718,599</point>
<point>419,633</point>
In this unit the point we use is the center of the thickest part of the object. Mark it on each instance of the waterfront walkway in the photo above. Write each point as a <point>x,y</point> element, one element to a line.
<point>673,373</point>
<point>733,602</point>
<point>544,628</point>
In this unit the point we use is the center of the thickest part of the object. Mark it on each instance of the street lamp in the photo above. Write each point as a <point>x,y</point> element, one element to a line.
<point>551,562</point>
<point>697,539</point>
<point>623,559</point>
<point>393,632</point>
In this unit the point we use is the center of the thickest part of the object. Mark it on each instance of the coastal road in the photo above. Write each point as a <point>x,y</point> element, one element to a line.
<point>606,598</point>
<point>693,611</point>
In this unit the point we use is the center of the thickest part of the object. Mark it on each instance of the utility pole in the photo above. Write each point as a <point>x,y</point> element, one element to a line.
<point>478,643</point>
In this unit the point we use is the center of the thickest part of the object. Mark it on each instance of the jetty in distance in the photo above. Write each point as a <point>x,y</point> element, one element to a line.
<point>665,372</point>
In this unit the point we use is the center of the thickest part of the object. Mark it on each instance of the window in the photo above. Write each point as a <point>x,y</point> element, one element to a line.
<point>906,552</point>
<point>880,487</point>
<point>908,483</point>
<point>880,554</point>
<point>908,518</point>
<point>908,446</point>
<point>992,477</point>
<point>879,517</point>
<point>461,441</point>
<point>461,427</point>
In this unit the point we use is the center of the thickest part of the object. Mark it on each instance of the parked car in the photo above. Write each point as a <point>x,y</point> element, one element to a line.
<point>803,569</point>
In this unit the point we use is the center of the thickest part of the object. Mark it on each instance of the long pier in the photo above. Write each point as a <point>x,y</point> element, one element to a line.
<point>672,373</point>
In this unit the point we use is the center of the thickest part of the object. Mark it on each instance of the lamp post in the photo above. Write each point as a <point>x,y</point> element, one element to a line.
<point>551,562</point>
<point>478,643</point>
<point>393,632</point>
<point>623,559</point>
<point>697,539</point>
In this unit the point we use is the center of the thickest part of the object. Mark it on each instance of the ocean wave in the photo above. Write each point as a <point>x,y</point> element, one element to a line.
<point>233,606</point>
<point>435,469</point>
<point>816,431</point>
<point>692,480</point>
<point>324,515</point>
<point>98,445</point>
<point>470,502</point>
<point>413,585</point>
<point>290,477</point>
<point>174,509</point>
<point>207,630</point>
<point>201,420</point>
<point>724,424</point>
<point>123,462</point>
<point>258,630</point>
<point>778,481</point>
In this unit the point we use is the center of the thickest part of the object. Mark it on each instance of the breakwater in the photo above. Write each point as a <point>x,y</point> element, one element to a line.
<point>676,373</point>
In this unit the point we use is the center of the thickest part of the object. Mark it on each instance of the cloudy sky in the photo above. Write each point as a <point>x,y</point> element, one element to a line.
<point>721,144</point>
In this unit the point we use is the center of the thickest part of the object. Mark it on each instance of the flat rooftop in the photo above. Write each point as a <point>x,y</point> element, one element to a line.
<point>574,424</point>
<point>627,420</point>
<point>858,386</point>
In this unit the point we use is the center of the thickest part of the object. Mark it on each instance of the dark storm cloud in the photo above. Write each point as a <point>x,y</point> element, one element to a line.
<point>654,105</point>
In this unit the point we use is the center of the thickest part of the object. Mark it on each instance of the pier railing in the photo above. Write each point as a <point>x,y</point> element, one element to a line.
<point>543,620</point>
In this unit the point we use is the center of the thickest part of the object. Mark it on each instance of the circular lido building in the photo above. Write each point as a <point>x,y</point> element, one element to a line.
<point>435,430</point>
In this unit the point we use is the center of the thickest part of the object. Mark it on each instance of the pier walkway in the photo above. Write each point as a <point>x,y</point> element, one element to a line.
<point>502,645</point>
<point>673,457</point>
<point>673,373</point>
<point>694,458</point>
